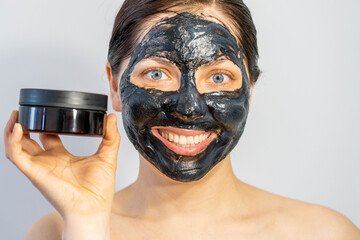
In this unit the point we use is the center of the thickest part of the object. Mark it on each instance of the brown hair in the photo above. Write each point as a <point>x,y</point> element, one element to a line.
<point>134,13</point>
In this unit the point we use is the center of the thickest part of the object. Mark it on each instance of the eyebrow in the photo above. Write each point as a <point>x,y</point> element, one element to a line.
<point>161,60</point>
<point>215,62</point>
<point>165,61</point>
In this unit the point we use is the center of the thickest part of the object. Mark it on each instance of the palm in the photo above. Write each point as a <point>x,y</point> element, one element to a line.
<point>72,184</point>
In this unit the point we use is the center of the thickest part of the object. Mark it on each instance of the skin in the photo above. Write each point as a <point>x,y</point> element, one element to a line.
<point>219,206</point>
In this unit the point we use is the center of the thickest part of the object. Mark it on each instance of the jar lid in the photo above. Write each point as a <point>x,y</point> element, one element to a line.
<point>62,99</point>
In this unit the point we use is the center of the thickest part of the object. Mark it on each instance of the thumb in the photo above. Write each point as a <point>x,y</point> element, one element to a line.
<point>109,146</point>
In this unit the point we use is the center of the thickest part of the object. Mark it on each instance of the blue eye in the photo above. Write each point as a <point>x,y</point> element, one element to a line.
<point>156,75</point>
<point>219,78</point>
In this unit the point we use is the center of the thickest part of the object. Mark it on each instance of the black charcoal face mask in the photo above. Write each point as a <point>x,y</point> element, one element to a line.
<point>189,42</point>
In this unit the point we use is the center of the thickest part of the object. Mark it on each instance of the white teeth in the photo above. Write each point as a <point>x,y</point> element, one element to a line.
<point>185,141</point>
<point>196,139</point>
<point>176,138</point>
<point>171,137</point>
<point>190,140</point>
<point>182,139</point>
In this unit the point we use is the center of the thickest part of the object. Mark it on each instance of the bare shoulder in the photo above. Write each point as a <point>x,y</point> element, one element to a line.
<point>48,227</point>
<point>324,223</point>
<point>307,221</point>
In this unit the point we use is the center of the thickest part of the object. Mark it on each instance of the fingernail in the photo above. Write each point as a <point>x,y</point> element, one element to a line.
<point>17,127</point>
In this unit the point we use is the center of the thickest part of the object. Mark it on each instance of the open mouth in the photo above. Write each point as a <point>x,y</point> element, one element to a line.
<point>183,141</point>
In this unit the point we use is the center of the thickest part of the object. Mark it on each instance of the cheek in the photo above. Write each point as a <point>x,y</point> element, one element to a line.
<point>229,111</point>
<point>139,106</point>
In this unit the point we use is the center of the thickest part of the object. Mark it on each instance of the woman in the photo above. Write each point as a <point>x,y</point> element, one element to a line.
<point>182,73</point>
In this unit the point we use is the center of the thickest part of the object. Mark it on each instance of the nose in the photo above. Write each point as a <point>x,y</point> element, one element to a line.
<point>190,106</point>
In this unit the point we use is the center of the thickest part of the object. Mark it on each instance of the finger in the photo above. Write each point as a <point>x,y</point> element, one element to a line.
<point>8,131</point>
<point>26,134</point>
<point>21,159</point>
<point>111,141</point>
<point>51,141</point>
<point>30,146</point>
<point>10,124</point>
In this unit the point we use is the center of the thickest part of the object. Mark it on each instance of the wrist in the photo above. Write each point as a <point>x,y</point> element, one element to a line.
<point>91,227</point>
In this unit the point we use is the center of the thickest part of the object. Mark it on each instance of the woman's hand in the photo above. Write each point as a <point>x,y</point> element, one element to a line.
<point>78,187</point>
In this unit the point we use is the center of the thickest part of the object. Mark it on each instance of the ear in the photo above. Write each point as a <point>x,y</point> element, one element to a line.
<point>114,89</point>
<point>251,92</point>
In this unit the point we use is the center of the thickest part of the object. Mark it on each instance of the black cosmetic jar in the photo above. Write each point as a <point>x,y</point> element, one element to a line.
<point>62,112</point>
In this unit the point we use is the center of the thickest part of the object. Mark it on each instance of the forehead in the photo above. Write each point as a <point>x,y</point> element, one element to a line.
<point>187,38</point>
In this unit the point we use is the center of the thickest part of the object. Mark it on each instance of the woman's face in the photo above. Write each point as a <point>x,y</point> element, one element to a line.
<point>185,96</point>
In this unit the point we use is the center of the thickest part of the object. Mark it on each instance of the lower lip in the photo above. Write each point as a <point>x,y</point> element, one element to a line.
<point>186,151</point>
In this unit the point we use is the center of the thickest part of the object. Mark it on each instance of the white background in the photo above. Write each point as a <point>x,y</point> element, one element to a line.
<point>302,138</point>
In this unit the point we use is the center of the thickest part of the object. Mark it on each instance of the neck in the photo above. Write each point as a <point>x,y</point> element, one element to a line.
<point>154,195</point>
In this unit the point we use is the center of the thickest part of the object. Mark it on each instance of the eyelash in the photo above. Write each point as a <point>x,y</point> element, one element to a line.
<point>152,69</point>
<point>228,74</point>
<point>155,69</point>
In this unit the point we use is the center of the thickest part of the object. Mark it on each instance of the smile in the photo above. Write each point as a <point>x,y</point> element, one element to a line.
<point>183,141</point>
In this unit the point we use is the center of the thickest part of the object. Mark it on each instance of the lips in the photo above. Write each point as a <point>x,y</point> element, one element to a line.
<point>182,141</point>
